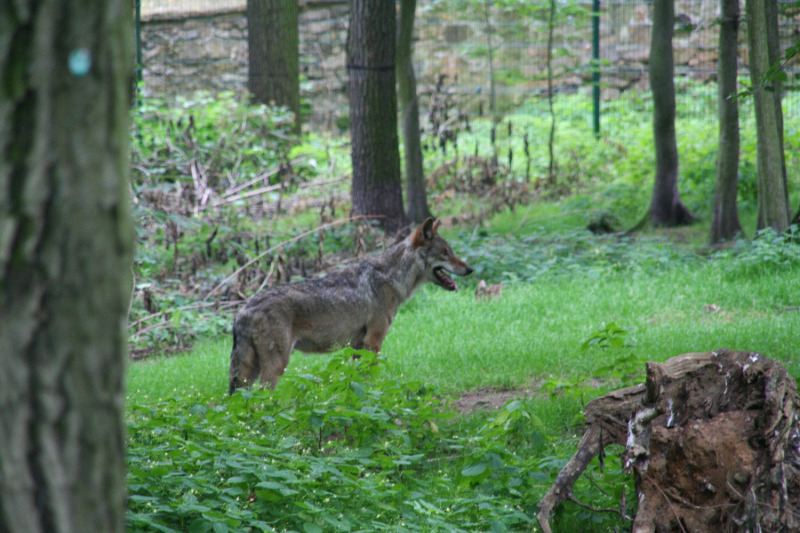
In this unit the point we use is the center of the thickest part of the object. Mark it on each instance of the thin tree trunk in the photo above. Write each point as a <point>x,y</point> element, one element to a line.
<point>551,168</point>
<point>725,215</point>
<point>65,252</point>
<point>773,195</point>
<point>376,189</point>
<point>273,54</point>
<point>416,198</point>
<point>666,207</point>
<point>492,90</point>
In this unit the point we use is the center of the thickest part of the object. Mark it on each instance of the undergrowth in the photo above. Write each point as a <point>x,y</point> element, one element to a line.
<point>345,449</point>
<point>361,446</point>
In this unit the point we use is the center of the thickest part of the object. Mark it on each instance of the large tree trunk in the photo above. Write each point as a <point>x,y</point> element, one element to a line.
<point>773,195</point>
<point>65,263</point>
<point>273,54</point>
<point>711,439</point>
<point>724,213</point>
<point>666,207</point>
<point>416,197</point>
<point>376,188</point>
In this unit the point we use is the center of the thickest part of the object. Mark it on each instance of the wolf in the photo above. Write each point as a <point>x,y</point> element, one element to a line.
<point>354,306</point>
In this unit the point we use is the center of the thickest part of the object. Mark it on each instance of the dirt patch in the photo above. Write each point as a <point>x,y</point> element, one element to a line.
<point>489,399</point>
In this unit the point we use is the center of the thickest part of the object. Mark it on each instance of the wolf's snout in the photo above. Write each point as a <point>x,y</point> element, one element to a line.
<point>470,270</point>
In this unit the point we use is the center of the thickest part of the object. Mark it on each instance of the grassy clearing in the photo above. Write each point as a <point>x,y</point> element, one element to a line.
<point>534,331</point>
<point>345,447</point>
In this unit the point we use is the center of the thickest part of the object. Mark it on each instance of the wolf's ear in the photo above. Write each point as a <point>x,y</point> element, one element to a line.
<point>425,232</point>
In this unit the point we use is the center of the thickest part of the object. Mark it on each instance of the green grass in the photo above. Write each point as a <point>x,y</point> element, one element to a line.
<point>534,331</point>
<point>201,371</point>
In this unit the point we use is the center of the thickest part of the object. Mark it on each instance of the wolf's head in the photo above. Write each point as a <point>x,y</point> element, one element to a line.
<point>437,255</point>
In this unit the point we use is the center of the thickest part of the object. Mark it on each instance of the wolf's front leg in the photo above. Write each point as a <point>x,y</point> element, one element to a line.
<point>272,369</point>
<point>372,341</point>
<point>244,365</point>
<point>377,329</point>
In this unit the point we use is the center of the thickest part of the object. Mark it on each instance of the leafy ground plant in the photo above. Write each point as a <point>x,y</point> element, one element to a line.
<point>342,450</point>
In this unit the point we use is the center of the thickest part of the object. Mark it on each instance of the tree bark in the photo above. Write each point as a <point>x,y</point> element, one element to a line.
<point>273,54</point>
<point>725,223</point>
<point>606,423</point>
<point>666,207</point>
<point>376,188</point>
<point>416,198</point>
<point>552,166</point>
<point>65,263</point>
<point>773,195</point>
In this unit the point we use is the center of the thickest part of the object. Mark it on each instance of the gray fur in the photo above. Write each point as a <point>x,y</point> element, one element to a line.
<point>354,306</point>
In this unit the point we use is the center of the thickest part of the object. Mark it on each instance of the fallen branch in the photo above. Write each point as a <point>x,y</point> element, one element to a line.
<point>606,418</point>
<point>171,310</point>
<point>282,244</point>
<point>260,178</point>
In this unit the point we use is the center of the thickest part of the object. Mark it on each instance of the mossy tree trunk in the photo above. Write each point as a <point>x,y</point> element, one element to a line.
<point>725,223</point>
<point>666,207</point>
<point>773,195</point>
<point>65,263</point>
<point>416,198</point>
<point>273,54</point>
<point>376,186</point>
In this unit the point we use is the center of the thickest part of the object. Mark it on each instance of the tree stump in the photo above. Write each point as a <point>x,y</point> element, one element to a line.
<point>712,440</point>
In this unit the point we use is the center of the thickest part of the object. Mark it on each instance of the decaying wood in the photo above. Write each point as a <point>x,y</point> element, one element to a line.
<point>712,440</point>
<point>607,423</point>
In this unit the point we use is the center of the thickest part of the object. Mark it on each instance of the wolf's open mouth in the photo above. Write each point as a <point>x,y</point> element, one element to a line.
<point>443,280</point>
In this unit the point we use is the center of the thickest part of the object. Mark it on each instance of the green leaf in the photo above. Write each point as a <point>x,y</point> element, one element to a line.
<point>537,439</point>
<point>498,527</point>
<point>201,525</point>
<point>175,318</point>
<point>358,390</point>
<point>316,422</point>
<point>277,487</point>
<point>308,527</point>
<point>221,527</point>
<point>474,470</point>
<point>199,410</point>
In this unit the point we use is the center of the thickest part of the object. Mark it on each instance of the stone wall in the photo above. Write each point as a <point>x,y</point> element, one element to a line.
<point>182,54</point>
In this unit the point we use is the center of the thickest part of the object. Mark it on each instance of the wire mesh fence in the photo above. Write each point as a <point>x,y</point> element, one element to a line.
<point>478,49</point>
